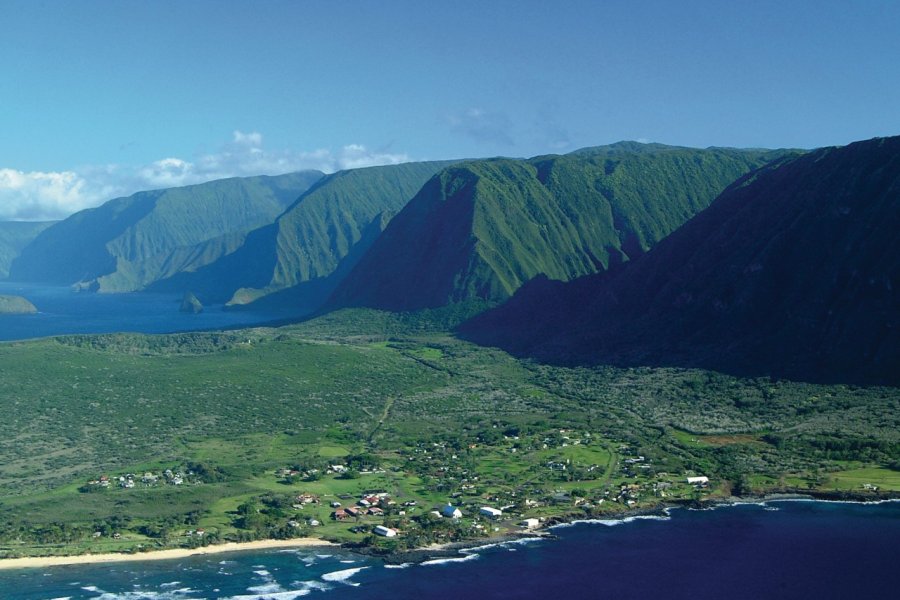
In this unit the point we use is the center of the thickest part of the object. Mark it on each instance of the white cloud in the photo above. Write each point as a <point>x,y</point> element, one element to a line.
<point>54,195</point>
<point>32,196</point>
<point>356,156</point>
<point>252,139</point>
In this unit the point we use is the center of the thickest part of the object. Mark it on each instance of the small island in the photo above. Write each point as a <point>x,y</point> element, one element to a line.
<point>16,305</point>
<point>191,304</point>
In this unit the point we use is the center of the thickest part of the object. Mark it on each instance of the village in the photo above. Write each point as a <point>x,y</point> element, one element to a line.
<point>148,479</point>
<point>497,483</point>
<point>446,490</point>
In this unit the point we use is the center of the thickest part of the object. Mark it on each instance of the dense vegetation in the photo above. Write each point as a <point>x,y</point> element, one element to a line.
<point>481,229</point>
<point>793,271</point>
<point>128,243</point>
<point>250,421</point>
<point>297,260</point>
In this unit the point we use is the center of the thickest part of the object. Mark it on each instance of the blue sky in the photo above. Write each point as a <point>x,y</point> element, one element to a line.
<point>101,99</point>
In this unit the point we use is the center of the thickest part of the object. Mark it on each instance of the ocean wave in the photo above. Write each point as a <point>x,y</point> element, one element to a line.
<point>612,522</point>
<point>446,561</point>
<point>181,594</point>
<point>400,566</point>
<point>285,595</point>
<point>503,544</point>
<point>266,588</point>
<point>343,575</point>
<point>311,585</point>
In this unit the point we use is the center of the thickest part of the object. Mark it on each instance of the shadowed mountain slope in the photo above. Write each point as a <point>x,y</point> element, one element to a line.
<point>298,259</point>
<point>480,229</point>
<point>793,271</point>
<point>15,235</point>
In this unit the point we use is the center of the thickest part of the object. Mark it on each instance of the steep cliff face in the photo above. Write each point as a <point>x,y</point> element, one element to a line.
<point>479,230</point>
<point>129,243</point>
<point>793,271</point>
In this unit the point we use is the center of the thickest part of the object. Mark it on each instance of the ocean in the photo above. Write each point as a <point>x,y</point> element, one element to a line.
<point>784,549</point>
<point>63,311</point>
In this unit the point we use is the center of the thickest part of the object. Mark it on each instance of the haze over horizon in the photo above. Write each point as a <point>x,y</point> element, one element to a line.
<point>105,99</point>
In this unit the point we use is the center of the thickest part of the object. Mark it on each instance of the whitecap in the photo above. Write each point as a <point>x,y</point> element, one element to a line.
<point>446,561</point>
<point>343,576</point>
<point>400,566</point>
<point>266,588</point>
<point>612,522</point>
<point>286,595</point>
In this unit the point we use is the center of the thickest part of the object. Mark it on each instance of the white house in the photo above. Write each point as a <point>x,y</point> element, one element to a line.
<point>451,511</point>
<point>489,512</point>
<point>529,523</point>
<point>385,531</point>
<point>698,480</point>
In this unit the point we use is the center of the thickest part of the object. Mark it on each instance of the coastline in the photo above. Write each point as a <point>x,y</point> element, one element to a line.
<point>437,551</point>
<point>31,562</point>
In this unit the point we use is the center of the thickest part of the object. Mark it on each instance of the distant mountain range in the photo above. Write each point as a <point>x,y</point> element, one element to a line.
<point>618,254</point>
<point>481,229</point>
<point>298,259</point>
<point>793,271</point>
<point>129,243</point>
<point>14,236</point>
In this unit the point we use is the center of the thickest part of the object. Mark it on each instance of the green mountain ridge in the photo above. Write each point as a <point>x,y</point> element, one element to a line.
<point>792,272</point>
<point>481,229</point>
<point>14,236</point>
<point>299,259</point>
<point>128,243</point>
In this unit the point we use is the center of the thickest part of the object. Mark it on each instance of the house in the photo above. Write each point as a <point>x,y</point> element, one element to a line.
<point>375,511</point>
<point>529,523</point>
<point>340,515</point>
<point>490,513</point>
<point>384,531</point>
<point>701,481</point>
<point>451,512</point>
<point>352,511</point>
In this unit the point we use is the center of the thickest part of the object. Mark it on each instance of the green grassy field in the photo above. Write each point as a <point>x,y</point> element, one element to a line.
<point>443,420</point>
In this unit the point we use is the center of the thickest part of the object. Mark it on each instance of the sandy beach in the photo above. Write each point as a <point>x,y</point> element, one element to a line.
<point>174,553</point>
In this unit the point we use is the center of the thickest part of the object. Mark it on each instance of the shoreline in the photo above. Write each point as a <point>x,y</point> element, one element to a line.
<point>32,562</point>
<point>433,551</point>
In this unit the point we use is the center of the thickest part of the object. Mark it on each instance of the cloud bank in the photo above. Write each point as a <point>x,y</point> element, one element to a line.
<point>42,196</point>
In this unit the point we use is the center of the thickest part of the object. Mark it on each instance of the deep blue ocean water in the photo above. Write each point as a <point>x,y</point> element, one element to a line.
<point>790,550</point>
<point>62,311</point>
